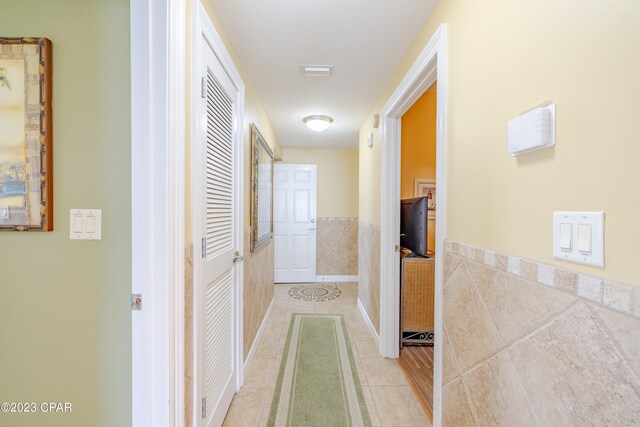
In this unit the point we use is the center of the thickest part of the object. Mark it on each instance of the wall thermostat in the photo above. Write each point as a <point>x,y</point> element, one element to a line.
<point>533,130</point>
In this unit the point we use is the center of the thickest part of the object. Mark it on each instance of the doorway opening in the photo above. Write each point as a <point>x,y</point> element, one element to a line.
<point>417,240</point>
<point>429,67</point>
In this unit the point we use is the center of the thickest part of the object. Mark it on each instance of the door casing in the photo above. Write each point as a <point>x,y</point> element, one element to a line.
<point>431,65</point>
<point>158,86</point>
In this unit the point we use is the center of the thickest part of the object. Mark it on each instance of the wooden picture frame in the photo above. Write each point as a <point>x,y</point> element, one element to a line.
<point>261,190</point>
<point>26,135</point>
<point>426,187</point>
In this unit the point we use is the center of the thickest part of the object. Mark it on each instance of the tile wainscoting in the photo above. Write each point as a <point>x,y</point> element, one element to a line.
<point>369,270</point>
<point>258,288</point>
<point>532,344</point>
<point>337,246</point>
<point>188,335</point>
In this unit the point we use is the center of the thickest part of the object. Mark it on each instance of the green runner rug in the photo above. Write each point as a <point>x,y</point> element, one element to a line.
<point>318,384</point>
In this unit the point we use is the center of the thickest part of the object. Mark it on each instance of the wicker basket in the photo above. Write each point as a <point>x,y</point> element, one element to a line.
<point>418,293</point>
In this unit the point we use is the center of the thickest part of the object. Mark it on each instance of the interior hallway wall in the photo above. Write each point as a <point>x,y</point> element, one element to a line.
<point>369,225</point>
<point>337,222</point>
<point>504,58</point>
<point>65,318</point>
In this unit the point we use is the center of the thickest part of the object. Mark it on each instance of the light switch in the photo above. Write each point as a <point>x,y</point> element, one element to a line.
<point>77,223</point>
<point>579,237</point>
<point>584,238</point>
<point>90,224</point>
<point>566,235</point>
<point>85,224</point>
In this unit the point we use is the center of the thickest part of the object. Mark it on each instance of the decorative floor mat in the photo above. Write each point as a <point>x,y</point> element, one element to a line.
<point>314,292</point>
<point>318,383</point>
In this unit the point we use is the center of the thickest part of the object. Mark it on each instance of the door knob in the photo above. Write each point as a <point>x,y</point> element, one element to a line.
<point>237,257</point>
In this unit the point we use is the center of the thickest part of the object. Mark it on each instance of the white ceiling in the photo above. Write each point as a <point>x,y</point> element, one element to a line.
<point>364,39</point>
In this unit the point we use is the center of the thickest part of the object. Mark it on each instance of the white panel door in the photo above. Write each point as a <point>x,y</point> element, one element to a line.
<point>218,207</point>
<point>294,222</point>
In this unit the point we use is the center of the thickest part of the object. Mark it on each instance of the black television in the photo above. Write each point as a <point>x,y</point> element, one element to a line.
<point>413,225</point>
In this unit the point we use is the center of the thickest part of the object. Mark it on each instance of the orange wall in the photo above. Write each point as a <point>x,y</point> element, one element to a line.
<point>418,151</point>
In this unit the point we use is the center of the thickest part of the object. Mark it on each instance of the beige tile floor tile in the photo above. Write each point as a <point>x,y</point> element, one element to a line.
<point>398,406</point>
<point>390,401</point>
<point>246,407</point>
<point>381,371</point>
<point>366,347</point>
<point>268,347</point>
<point>261,373</point>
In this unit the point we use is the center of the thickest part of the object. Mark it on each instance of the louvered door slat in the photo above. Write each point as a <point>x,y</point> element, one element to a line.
<point>219,164</point>
<point>218,335</point>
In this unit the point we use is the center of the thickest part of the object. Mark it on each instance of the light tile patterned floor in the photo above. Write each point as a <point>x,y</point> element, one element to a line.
<point>390,399</point>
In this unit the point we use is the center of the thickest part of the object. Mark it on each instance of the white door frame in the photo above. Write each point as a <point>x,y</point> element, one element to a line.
<point>430,66</point>
<point>158,83</point>
<point>203,29</point>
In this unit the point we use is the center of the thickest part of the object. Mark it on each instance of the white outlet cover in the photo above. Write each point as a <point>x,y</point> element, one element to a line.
<point>78,221</point>
<point>573,254</point>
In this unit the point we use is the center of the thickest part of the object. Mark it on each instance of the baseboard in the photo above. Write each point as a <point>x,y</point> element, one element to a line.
<point>367,321</point>
<point>256,341</point>
<point>336,278</point>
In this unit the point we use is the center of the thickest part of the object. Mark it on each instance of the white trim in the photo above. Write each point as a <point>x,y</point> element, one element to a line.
<point>256,341</point>
<point>430,66</point>
<point>158,83</point>
<point>337,278</point>
<point>204,28</point>
<point>367,321</point>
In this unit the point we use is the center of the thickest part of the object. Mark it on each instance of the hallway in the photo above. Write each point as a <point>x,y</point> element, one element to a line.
<point>389,397</point>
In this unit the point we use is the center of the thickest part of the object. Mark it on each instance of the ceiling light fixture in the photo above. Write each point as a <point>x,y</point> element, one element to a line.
<point>318,122</point>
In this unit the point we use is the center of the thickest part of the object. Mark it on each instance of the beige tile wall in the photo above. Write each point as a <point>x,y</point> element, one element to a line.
<point>369,270</point>
<point>337,246</point>
<point>258,288</point>
<point>532,344</point>
<point>188,335</point>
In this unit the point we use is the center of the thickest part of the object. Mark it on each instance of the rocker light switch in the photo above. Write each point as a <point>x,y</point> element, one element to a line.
<point>584,238</point>
<point>565,236</point>
<point>85,224</point>
<point>579,237</point>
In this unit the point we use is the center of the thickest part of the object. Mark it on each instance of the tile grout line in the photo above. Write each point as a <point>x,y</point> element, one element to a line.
<point>613,339</point>
<point>510,344</point>
<point>524,388</point>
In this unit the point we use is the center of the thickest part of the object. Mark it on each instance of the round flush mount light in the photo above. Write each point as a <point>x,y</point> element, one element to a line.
<point>318,122</point>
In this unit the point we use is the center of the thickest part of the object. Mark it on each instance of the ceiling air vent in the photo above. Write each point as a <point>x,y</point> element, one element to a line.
<point>316,70</point>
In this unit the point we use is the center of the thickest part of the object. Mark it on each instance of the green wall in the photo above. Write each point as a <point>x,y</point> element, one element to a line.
<point>65,321</point>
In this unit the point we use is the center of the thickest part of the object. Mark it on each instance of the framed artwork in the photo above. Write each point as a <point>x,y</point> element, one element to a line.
<point>26,163</point>
<point>261,190</point>
<point>426,187</point>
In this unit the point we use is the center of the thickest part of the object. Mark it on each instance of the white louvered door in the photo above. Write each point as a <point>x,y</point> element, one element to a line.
<point>218,373</point>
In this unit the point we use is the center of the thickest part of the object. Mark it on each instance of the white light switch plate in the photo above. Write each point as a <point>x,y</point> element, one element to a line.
<point>85,224</point>
<point>584,249</point>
